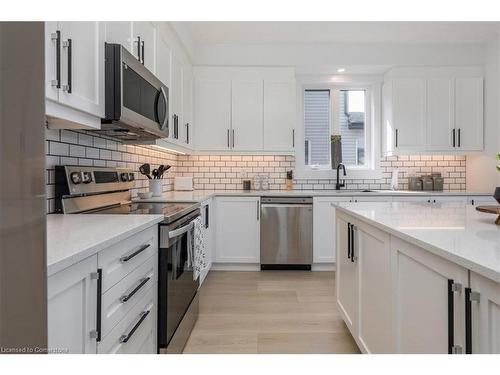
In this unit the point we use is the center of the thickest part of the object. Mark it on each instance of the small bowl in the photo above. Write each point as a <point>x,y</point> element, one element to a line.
<point>145,195</point>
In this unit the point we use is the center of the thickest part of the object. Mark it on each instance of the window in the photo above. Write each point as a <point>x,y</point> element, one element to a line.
<point>334,112</point>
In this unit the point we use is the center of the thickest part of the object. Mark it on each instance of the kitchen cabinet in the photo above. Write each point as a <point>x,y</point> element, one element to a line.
<point>72,316</point>
<point>187,105</point>
<point>483,302</point>
<point>440,114</point>
<point>323,228</point>
<point>469,113</point>
<point>120,32</point>
<point>213,113</point>
<point>372,252</point>
<point>346,275</point>
<point>279,115</point>
<point>237,237</point>
<point>144,43</point>
<point>163,60</point>
<point>427,301</point>
<point>176,98</point>
<point>481,200</point>
<point>408,114</point>
<point>246,114</point>
<point>74,63</point>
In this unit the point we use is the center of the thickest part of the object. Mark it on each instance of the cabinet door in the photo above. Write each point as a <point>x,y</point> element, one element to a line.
<point>51,56</point>
<point>375,320</point>
<point>176,98</point>
<point>163,61</point>
<point>72,297</point>
<point>408,114</point>
<point>422,296</point>
<point>147,32</point>
<point>346,277</point>
<point>279,116</point>
<point>485,315</point>
<point>324,229</point>
<point>120,32</point>
<point>448,199</point>
<point>238,230</point>
<point>82,66</point>
<point>246,114</point>
<point>440,114</point>
<point>213,113</point>
<point>187,105</point>
<point>481,200</point>
<point>469,113</point>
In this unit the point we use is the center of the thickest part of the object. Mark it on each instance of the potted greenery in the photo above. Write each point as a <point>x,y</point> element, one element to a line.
<point>497,190</point>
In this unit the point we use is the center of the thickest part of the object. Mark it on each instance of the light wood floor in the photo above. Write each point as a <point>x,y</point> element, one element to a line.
<point>269,312</point>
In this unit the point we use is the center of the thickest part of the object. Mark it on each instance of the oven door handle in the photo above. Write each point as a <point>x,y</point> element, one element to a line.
<point>163,93</point>
<point>177,232</point>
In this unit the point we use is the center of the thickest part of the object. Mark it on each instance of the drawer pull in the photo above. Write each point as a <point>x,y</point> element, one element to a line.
<point>126,258</point>
<point>142,282</point>
<point>125,338</point>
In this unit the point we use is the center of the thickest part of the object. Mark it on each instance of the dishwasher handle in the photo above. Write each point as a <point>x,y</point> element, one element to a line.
<point>287,205</point>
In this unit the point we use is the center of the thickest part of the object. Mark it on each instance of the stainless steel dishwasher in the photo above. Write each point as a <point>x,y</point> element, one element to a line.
<point>286,228</point>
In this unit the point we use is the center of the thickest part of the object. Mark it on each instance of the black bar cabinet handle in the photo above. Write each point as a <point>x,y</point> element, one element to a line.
<point>126,258</point>
<point>352,242</point>
<point>293,137</point>
<point>468,322</point>
<point>453,131</point>
<point>99,305</point>
<point>142,51</point>
<point>451,317</point>
<point>348,240</point>
<point>227,138</point>
<point>459,143</point>
<point>233,138</point>
<point>126,337</point>
<point>139,48</point>
<point>70,74</point>
<point>126,297</point>
<point>58,59</point>
<point>396,137</point>
<point>187,132</point>
<point>207,215</point>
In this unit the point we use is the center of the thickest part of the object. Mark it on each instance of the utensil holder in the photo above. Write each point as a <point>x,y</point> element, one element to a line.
<point>155,187</point>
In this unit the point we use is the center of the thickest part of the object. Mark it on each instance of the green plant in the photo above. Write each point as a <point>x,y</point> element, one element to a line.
<point>498,158</point>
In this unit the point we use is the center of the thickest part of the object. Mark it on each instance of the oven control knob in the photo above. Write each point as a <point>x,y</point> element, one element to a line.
<point>131,177</point>
<point>76,177</point>
<point>86,177</point>
<point>124,177</point>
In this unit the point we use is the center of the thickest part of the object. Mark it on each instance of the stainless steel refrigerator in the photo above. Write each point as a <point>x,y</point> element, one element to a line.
<point>23,276</point>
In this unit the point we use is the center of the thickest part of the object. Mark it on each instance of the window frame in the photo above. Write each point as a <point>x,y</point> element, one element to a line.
<point>373,88</point>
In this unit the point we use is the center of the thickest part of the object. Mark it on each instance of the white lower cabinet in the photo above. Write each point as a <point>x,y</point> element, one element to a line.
<point>72,300</point>
<point>428,313</point>
<point>237,232</point>
<point>120,282</point>
<point>483,297</point>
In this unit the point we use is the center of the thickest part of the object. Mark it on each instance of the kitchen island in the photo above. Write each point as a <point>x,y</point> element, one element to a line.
<point>419,278</point>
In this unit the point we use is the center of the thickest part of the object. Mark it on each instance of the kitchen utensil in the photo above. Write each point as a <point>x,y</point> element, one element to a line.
<point>155,174</point>
<point>145,194</point>
<point>491,210</point>
<point>160,171</point>
<point>145,169</point>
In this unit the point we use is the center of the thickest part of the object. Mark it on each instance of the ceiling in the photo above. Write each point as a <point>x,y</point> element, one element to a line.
<point>341,32</point>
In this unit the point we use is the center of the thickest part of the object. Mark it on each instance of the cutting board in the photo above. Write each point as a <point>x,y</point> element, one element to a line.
<point>491,210</point>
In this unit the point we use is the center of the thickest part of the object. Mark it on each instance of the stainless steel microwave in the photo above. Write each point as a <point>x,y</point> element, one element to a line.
<point>136,101</point>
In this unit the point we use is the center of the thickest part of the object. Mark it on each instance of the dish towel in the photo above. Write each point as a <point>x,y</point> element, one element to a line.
<point>199,249</point>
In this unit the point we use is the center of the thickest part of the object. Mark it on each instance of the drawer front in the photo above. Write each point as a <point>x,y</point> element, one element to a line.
<point>141,334</point>
<point>121,297</point>
<point>119,260</point>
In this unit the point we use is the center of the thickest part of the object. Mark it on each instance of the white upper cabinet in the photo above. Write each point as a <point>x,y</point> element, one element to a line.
<point>261,108</point>
<point>408,114</point>
<point>120,32</point>
<point>74,67</point>
<point>176,99</point>
<point>279,115</point>
<point>246,114</point>
<point>440,120</point>
<point>213,113</point>
<point>144,43</point>
<point>469,113</point>
<point>433,110</point>
<point>163,60</point>
<point>187,105</point>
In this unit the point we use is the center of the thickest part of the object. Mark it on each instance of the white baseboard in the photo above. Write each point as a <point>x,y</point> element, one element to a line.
<point>323,267</point>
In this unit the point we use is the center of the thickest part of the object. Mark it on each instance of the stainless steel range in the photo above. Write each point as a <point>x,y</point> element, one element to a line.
<point>84,190</point>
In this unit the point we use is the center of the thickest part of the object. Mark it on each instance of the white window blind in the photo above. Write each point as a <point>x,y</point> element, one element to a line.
<point>317,127</point>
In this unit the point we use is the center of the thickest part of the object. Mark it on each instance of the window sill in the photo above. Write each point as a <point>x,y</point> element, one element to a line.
<point>331,174</point>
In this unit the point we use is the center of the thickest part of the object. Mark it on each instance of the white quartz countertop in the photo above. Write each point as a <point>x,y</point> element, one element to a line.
<point>72,238</point>
<point>201,195</point>
<point>453,231</point>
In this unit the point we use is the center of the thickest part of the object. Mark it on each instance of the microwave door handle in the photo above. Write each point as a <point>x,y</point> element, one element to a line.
<point>177,232</point>
<point>165,120</point>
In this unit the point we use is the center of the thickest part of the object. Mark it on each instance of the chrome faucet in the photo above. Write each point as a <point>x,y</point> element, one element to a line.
<point>338,185</point>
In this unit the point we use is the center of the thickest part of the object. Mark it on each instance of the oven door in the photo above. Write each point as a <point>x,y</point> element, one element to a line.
<point>176,285</point>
